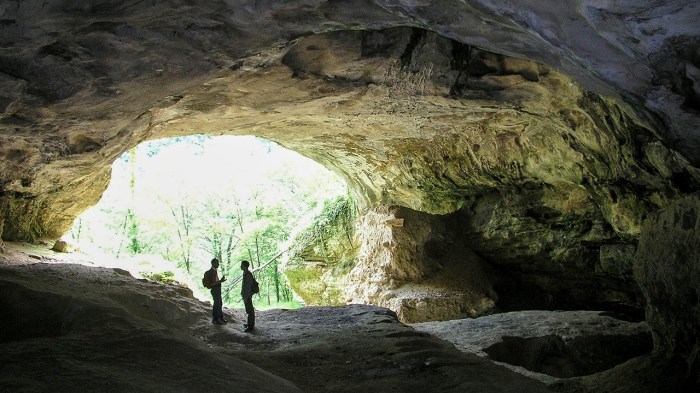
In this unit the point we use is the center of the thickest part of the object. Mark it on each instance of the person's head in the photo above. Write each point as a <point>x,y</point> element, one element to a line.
<point>215,263</point>
<point>244,265</point>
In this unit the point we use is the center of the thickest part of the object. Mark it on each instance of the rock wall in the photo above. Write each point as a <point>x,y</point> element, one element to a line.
<point>667,267</point>
<point>83,83</point>
<point>493,255</point>
<point>321,252</point>
<point>550,258</point>
<point>410,263</point>
<point>548,345</point>
<point>2,224</point>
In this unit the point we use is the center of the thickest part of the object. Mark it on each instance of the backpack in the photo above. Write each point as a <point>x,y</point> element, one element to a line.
<point>256,286</point>
<point>206,280</point>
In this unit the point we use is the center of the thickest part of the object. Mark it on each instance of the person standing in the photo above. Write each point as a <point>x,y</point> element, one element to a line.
<point>211,278</point>
<point>247,295</point>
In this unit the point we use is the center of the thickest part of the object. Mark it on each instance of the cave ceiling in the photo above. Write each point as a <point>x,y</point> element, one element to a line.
<point>589,106</point>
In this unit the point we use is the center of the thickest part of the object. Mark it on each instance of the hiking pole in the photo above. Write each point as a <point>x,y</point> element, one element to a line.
<point>264,265</point>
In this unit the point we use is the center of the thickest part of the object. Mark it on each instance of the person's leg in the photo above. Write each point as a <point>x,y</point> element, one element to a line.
<point>217,313</point>
<point>220,310</point>
<point>248,302</point>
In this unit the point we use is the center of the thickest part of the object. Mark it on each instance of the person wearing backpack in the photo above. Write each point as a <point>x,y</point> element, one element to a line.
<point>211,280</point>
<point>249,287</point>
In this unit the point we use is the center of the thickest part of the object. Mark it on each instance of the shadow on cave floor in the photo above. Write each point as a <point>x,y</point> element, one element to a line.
<point>60,313</point>
<point>71,327</point>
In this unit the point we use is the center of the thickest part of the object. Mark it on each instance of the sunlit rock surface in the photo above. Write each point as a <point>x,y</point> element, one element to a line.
<point>410,262</point>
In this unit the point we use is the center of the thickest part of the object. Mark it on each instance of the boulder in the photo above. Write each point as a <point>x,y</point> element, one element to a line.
<point>60,246</point>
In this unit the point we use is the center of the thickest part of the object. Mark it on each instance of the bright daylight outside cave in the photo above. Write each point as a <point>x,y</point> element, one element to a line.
<point>491,196</point>
<point>174,204</point>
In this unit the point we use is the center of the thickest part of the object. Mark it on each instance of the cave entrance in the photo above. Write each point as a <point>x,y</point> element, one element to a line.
<point>174,204</point>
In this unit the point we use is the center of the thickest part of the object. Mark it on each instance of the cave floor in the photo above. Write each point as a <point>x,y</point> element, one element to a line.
<point>71,327</point>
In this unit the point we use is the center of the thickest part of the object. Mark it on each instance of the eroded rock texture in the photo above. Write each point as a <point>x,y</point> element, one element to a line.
<point>84,82</point>
<point>523,143</point>
<point>102,330</point>
<point>551,344</point>
<point>668,273</point>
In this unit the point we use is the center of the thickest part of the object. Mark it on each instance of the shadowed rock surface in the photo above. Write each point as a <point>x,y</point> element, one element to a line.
<point>77,328</point>
<point>556,343</point>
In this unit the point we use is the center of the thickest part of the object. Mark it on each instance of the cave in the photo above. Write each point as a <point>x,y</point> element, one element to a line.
<point>506,156</point>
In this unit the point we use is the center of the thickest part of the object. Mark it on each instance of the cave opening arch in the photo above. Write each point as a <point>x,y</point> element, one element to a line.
<point>175,203</point>
<point>517,149</point>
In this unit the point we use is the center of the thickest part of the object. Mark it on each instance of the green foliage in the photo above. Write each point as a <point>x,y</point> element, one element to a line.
<point>133,229</point>
<point>164,200</point>
<point>307,282</point>
<point>161,277</point>
<point>331,234</point>
<point>328,242</point>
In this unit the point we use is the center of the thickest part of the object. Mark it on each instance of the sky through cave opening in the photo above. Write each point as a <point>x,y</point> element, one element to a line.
<point>173,204</point>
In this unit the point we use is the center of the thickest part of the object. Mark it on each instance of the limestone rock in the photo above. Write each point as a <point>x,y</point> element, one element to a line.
<point>100,320</point>
<point>447,262</point>
<point>114,332</point>
<point>558,344</point>
<point>2,245</point>
<point>412,113</point>
<point>419,270</point>
<point>316,284</point>
<point>60,246</point>
<point>667,267</point>
<point>321,253</point>
<point>529,139</point>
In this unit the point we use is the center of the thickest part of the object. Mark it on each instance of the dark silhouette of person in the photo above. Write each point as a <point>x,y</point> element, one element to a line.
<point>247,295</point>
<point>215,286</point>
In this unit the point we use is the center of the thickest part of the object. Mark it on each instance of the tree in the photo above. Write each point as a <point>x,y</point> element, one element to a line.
<point>184,220</point>
<point>218,234</point>
<point>231,215</point>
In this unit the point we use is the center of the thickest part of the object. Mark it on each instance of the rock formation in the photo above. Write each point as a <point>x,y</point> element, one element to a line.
<point>667,270</point>
<point>102,330</point>
<point>550,344</point>
<point>524,144</point>
<point>2,245</point>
